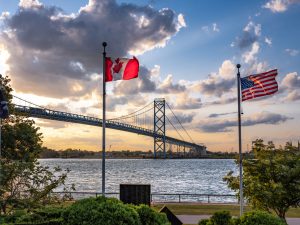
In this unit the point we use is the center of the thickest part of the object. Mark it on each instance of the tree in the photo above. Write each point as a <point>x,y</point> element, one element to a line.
<point>23,181</point>
<point>271,180</point>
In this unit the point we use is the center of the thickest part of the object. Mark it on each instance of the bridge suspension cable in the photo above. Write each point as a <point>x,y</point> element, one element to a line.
<point>180,123</point>
<point>174,128</point>
<point>29,102</point>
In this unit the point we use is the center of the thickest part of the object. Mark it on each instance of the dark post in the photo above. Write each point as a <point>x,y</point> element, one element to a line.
<point>240,138</point>
<point>104,44</point>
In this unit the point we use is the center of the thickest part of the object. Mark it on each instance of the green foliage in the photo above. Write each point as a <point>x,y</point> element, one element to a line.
<point>271,179</point>
<point>260,218</point>
<point>221,218</point>
<point>250,218</point>
<point>42,216</point>
<point>204,222</point>
<point>24,183</point>
<point>100,211</point>
<point>149,216</point>
<point>218,218</point>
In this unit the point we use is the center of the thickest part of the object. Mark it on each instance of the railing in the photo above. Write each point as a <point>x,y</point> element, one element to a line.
<point>165,197</point>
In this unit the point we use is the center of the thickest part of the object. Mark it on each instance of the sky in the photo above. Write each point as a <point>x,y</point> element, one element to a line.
<point>188,51</point>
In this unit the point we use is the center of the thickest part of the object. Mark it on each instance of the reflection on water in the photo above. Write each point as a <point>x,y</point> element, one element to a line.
<point>202,176</point>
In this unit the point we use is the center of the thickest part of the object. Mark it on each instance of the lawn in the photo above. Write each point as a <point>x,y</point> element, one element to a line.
<point>209,209</point>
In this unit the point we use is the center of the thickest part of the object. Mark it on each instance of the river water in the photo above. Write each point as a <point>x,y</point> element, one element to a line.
<point>194,176</point>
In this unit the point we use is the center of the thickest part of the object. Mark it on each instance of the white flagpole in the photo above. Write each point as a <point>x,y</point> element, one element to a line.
<point>240,139</point>
<point>104,44</point>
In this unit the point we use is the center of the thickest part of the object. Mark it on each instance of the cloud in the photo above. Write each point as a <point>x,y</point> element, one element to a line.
<point>144,84</point>
<point>218,84</point>
<point>250,56</point>
<point>291,81</point>
<point>250,35</point>
<point>4,15</point>
<point>210,28</point>
<point>292,96</point>
<point>185,102</point>
<point>292,52</point>
<point>183,118</point>
<point>168,86</point>
<point>278,6</point>
<point>259,118</point>
<point>215,27</point>
<point>51,50</point>
<point>268,41</point>
<point>214,115</point>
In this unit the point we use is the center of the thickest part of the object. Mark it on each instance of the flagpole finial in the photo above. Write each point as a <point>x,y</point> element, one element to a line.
<point>104,44</point>
<point>238,66</point>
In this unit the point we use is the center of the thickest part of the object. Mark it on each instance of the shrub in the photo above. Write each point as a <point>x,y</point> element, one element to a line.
<point>221,218</point>
<point>260,218</point>
<point>204,222</point>
<point>99,211</point>
<point>149,216</point>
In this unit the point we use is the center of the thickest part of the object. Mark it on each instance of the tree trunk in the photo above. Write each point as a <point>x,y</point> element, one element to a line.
<point>282,215</point>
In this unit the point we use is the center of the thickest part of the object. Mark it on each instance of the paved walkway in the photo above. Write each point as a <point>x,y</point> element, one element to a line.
<point>194,219</point>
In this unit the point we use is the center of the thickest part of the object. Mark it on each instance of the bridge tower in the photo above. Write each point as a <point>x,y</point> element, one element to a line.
<point>159,127</point>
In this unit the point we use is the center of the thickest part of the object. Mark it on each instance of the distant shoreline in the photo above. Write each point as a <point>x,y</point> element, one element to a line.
<point>47,153</point>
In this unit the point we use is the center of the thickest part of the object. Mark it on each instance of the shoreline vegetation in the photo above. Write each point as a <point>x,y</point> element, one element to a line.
<point>69,153</point>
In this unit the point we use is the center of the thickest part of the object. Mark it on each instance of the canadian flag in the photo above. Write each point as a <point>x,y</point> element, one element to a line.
<point>121,69</point>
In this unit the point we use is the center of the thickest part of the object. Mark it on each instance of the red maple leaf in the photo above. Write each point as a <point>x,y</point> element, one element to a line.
<point>118,65</point>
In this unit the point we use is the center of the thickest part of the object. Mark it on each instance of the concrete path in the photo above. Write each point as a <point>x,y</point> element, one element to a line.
<point>194,219</point>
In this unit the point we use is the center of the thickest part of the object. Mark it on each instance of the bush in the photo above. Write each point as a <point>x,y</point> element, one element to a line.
<point>221,218</point>
<point>149,216</point>
<point>218,218</point>
<point>99,211</point>
<point>204,222</point>
<point>43,216</point>
<point>250,218</point>
<point>260,218</point>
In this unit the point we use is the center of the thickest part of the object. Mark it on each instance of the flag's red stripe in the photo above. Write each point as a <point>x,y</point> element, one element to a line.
<point>260,90</point>
<point>267,90</point>
<point>257,95</point>
<point>256,87</point>
<point>262,75</point>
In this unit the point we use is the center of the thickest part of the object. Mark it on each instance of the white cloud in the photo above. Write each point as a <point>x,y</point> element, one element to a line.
<point>292,52</point>
<point>26,4</point>
<point>181,20</point>
<point>291,81</point>
<point>255,27</point>
<point>215,27</point>
<point>250,56</point>
<point>227,70</point>
<point>268,41</point>
<point>278,6</point>
<point>4,15</point>
<point>211,28</point>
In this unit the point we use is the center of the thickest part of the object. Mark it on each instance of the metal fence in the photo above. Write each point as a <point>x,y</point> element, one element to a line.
<point>163,197</point>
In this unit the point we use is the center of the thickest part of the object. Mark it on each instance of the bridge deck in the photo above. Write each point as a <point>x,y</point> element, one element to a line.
<point>93,121</point>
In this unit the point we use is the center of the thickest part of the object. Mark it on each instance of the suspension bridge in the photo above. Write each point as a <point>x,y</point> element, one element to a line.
<point>152,120</point>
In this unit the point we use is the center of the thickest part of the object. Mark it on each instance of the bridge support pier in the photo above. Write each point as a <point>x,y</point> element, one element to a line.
<point>159,127</point>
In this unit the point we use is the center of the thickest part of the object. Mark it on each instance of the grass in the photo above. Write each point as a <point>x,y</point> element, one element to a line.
<point>209,209</point>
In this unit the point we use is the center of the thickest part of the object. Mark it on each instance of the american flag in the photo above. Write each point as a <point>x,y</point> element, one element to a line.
<point>258,85</point>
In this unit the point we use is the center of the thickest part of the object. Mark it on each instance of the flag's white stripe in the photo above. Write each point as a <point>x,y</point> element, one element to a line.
<point>261,89</point>
<point>257,95</point>
<point>265,85</point>
<point>261,76</point>
<point>260,92</point>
